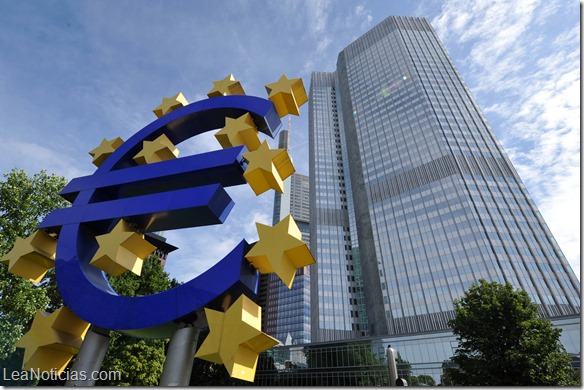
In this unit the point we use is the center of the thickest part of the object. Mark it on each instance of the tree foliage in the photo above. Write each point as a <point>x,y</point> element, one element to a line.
<point>422,380</point>
<point>24,202</point>
<point>140,361</point>
<point>503,342</point>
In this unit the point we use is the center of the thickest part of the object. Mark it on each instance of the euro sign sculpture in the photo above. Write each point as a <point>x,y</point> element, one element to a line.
<point>141,186</point>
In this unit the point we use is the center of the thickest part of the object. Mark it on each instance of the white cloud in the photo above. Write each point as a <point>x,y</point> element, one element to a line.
<point>33,157</point>
<point>199,249</point>
<point>316,11</point>
<point>364,14</point>
<point>496,31</point>
<point>568,37</point>
<point>549,119</point>
<point>117,105</point>
<point>102,76</point>
<point>201,143</point>
<point>260,217</point>
<point>202,247</point>
<point>529,83</point>
<point>323,44</point>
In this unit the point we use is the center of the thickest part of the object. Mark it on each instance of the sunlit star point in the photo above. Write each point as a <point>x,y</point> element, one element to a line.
<point>104,150</point>
<point>160,149</point>
<point>239,131</point>
<point>170,104</point>
<point>235,338</point>
<point>267,168</point>
<point>52,340</point>
<point>121,250</point>
<point>227,86</point>
<point>31,257</point>
<point>280,250</point>
<point>287,95</point>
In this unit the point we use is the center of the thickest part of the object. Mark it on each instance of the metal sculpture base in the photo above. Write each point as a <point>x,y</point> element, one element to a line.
<point>179,358</point>
<point>90,357</point>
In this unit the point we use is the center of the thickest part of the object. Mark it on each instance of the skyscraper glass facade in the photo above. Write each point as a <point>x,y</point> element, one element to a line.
<point>286,313</point>
<point>412,197</point>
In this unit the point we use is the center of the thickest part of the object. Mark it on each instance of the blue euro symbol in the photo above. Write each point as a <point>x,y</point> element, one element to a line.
<point>173,194</point>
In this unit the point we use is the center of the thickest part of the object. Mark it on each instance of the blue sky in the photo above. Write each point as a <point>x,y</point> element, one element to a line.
<point>74,72</point>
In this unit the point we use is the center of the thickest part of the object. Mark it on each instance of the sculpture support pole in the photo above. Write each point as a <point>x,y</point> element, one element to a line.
<point>90,357</point>
<point>179,358</point>
<point>392,367</point>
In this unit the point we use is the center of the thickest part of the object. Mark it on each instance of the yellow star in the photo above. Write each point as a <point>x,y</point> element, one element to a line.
<point>235,338</point>
<point>287,95</point>
<point>227,86</point>
<point>121,250</point>
<point>52,340</point>
<point>239,131</point>
<point>267,168</point>
<point>170,104</point>
<point>104,150</point>
<point>32,257</point>
<point>158,150</point>
<point>280,250</point>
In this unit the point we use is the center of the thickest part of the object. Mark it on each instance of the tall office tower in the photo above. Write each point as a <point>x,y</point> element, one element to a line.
<point>412,196</point>
<point>286,313</point>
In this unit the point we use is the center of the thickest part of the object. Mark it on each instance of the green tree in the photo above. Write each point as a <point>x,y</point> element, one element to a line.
<point>368,363</point>
<point>140,361</point>
<point>503,342</point>
<point>24,202</point>
<point>424,380</point>
<point>404,369</point>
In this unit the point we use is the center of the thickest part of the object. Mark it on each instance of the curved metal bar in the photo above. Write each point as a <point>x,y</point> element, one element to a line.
<point>190,194</point>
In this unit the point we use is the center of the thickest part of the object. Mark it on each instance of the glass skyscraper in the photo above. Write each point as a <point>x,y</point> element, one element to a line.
<point>286,312</point>
<point>412,198</point>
